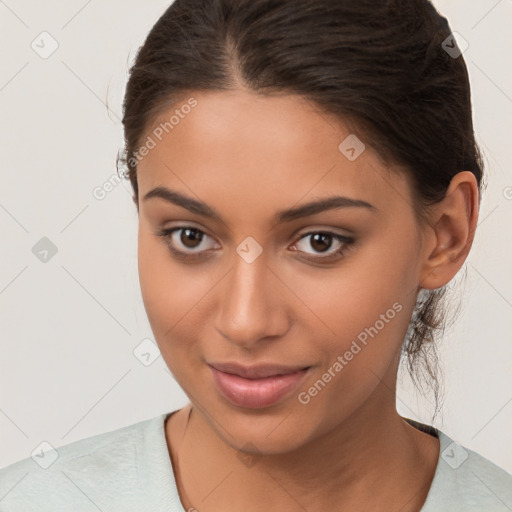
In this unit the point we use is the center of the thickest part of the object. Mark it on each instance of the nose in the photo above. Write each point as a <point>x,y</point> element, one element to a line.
<point>253,306</point>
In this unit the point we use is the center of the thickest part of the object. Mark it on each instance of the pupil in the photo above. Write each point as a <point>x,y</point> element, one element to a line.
<point>320,238</point>
<point>189,236</point>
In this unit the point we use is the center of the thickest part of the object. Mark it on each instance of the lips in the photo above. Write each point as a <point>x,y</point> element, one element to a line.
<point>256,372</point>
<point>256,387</point>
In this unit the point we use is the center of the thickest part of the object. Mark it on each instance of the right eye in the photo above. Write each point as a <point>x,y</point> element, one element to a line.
<point>181,239</point>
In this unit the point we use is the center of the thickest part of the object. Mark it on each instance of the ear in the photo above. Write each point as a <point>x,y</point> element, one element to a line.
<point>452,228</point>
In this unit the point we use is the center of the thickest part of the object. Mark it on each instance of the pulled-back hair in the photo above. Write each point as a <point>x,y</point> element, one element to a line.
<point>382,65</point>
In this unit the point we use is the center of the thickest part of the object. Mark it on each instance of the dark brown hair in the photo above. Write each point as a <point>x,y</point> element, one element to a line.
<point>382,65</point>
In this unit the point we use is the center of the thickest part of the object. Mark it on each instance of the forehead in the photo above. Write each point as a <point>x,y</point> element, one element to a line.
<point>262,150</point>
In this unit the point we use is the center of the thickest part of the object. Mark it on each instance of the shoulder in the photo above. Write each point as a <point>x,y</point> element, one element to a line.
<point>466,481</point>
<point>89,473</point>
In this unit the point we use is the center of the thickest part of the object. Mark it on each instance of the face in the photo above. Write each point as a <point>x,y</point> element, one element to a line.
<point>330,289</point>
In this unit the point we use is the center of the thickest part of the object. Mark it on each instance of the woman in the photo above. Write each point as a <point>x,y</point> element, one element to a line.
<point>307,183</point>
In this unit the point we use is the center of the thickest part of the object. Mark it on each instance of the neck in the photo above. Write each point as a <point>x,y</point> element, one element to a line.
<point>366,461</point>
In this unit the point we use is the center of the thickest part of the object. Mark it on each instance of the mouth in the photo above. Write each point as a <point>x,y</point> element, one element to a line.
<point>257,371</point>
<point>256,387</point>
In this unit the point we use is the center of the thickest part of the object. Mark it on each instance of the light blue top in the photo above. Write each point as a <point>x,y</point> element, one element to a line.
<point>129,469</point>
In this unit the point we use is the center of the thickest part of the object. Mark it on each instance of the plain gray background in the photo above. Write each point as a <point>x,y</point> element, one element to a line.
<point>70,325</point>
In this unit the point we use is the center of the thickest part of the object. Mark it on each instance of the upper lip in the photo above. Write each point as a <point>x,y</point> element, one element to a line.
<point>257,371</point>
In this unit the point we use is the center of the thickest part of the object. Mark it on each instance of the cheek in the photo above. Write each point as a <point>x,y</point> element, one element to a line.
<point>362,310</point>
<point>364,291</point>
<point>155,281</point>
<point>367,325</point>
<point>365,331</point>
<point>175,296</point>
<point>168,292</point>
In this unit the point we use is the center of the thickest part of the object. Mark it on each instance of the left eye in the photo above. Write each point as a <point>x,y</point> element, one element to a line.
<point>321,242</point>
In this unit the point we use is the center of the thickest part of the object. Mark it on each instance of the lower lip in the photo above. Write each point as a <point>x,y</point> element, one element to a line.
<point>256,393</point>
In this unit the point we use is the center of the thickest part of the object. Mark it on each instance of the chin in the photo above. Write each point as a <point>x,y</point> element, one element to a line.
<point>265,432</point>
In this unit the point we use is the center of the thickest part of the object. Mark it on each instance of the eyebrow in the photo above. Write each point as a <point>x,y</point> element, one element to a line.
<point>311,208</point>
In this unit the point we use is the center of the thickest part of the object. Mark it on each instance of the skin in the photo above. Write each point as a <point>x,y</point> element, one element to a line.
<point>248,156</point>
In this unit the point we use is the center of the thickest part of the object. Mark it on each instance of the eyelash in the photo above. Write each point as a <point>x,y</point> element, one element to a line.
<point>166,235</point>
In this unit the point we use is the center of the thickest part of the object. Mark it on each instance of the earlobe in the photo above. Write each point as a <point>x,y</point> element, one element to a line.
<point>454,223</point>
